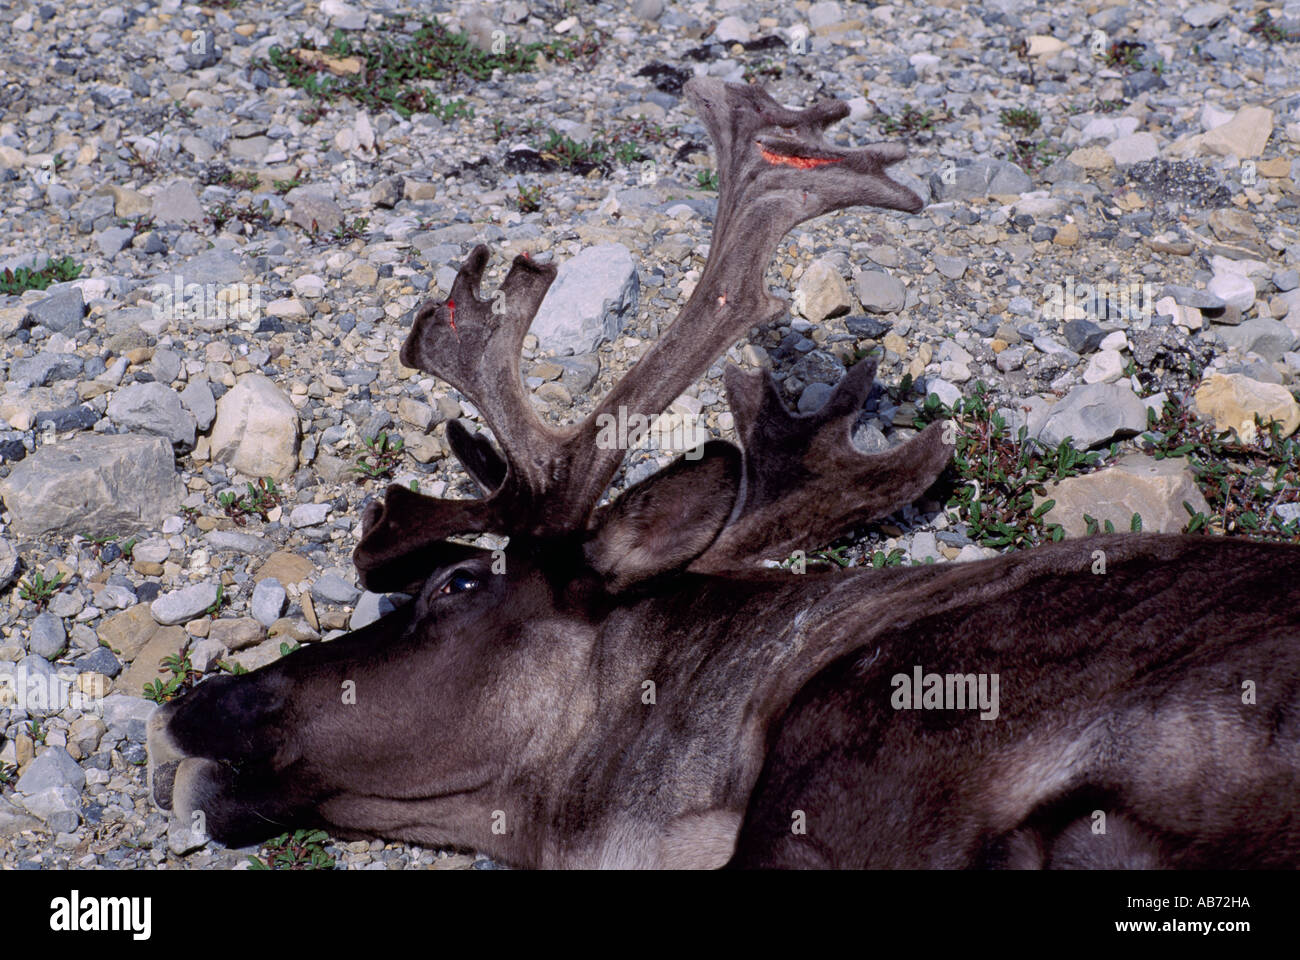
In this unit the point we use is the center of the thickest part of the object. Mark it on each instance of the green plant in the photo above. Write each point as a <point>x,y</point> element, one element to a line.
<point>383,454</point>
<point>215,607</point>
<point>252,217</point>
<point>183,677</point>
<point>894,558</point>
<point>707,179</point>
<point>1021,118</point>
<point>56,271</point>
<point>909,121</point>
<point>528,199</point>
<point>8,774</point>
<point>1265,27</point>
<point>35,732</point>
<point>234,669</point>
<point>243,180</point>
<point>1001,477</point>
<point>260,499</point>
<point>301,850</point>
<point>1243,479</point>
<point>39,590</point>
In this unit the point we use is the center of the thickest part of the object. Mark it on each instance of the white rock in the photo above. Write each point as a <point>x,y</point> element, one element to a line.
<point>1236,290</point>
<point>256,430</point>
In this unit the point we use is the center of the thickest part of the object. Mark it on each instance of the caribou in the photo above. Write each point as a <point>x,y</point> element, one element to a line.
<point>632,683</point>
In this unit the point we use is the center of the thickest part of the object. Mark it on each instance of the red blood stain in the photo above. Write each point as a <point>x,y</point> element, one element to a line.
<point>799,163</point>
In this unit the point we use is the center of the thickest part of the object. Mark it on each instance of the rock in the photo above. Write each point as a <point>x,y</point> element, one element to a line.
<point>1232,401</point>
<point>313,209</point>
<point>197,399</point>
<point>205,653</point>
<point>388,192</point>
<point>1136,148</point>
<point>979,178</point>
<point>1092,414</point>
<point>821,292</point>
<point>177,203</point>
<point>308,515</point>
<point>256,429</point>
<point>54,767</point>
<point>236,634</point>
<point>153,408</point>
<point>268,602</point>
<point>61,311</point>
<point>181,836</point>
<point>370,607</point>
<point>127,633</point>
<point>286,567</point>
<point>310,286</point>
<point>126,716</point>
<point>954,268</point>
<point>1244,136</point>
<point>1137,483</point>
<point>814,397</point>
<point>924,547</point>
<point>1234,289</point>
<point>266,652</point>
<point>332,588</point>
<point>95,485</point>
<point>1106,366</point>
<point>593,297</point>
<point>867,327</point>
<point>147,665</point>
<point>10,563</point>
<point>1204,14</point>
<point>867,438</point>
<point>212,266</point>
<point>46,367</point>
<point>1191,297</point>
<point>236,542</point>
<point>880,292</point>
<point>13,820</point>
<point>57,807</point>
<point>100,660</point>
<point>644,10</point>
<point>732,30</point>
<point>1083,336</point>
<point>178,606</point>
<point>48,638</point>
<point>113,240</point>
<point>1270,339</point>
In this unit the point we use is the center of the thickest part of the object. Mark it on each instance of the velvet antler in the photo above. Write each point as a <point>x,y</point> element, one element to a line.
<point>776,170</point>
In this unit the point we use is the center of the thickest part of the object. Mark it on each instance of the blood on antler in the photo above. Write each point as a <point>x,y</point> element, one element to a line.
<point>802,480</point>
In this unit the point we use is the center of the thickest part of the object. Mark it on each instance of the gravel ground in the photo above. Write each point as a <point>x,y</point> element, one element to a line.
<point>159,146</point>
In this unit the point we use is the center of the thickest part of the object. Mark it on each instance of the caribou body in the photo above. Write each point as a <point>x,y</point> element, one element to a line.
<point>635,688</point>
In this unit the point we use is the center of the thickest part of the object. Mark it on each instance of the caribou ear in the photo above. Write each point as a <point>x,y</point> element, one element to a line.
<point>667,520</point>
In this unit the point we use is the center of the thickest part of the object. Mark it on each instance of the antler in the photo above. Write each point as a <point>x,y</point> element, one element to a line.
<point>776,170</point>
<point>803,482</point>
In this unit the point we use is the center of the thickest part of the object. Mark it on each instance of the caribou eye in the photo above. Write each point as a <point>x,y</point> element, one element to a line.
<point>459,582</point>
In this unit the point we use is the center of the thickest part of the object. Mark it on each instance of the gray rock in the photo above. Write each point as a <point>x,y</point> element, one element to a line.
<point>1286,280</point>
<point>94,484</point>
<point>593,297</point>
<point>126,717</point>
<point>954,268</point>
<point>579,372</point>
<point>100,660</point>
<point>309,514</point>
<point>388,192</point>
<point>867,438</point>
<point>980,178</point>
<point>177,203</point>
<point>112,241</point>
<point>1204,14</point>
<point>1092,414</point>
<point>181,837</point>
<point>197,399</point>
<point>647,9</point>
<point>925,546</point>
<point>165,365</point>
<point>880,292</point>
<point>814,397</point>
<point>1271,339</point>
<point>370,607</point>
<point>268,602</point>
<point>48,638</point>
<point>13,819</point>
<point>62,311</point>
<point>153,408</point>
<point>211,266</point>
<point>53,768</point>
<point>1191,297</point>
<point>56,807</point>
<point>238,542</point>
<point>202,52</point>
<point>332,588</point>
<point>66,604</point>
<point>1083,336</point>
<point>9,564</point>
<point>45,368</point>
<point>179,606</point>
<point>311,205</point>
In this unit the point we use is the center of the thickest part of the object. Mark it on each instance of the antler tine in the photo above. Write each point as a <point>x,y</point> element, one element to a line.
<point>475,345</point>
<point>776,170</point>
<point>803,482</point>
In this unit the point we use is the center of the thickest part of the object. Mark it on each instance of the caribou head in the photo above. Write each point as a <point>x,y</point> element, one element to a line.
<point>627,684</point>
